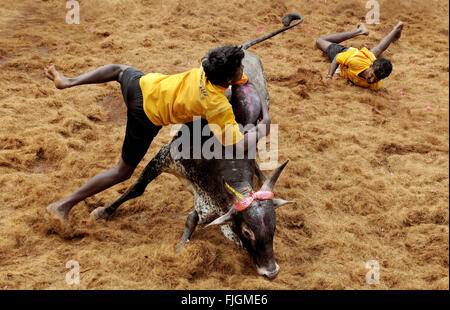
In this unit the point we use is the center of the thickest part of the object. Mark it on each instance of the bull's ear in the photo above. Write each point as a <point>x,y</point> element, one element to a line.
<point>224,219</point>
<point>281,202</point>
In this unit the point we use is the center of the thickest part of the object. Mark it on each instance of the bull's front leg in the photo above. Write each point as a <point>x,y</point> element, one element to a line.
<point>189,228</point>
<point>134,191</point>
<point>154,168</point>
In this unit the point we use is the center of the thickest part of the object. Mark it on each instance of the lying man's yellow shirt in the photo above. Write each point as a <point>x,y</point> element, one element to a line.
<point>353,62</point>
<point>176,99</point>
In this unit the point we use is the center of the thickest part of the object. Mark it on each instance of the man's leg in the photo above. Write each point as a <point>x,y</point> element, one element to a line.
<point>323,42</point>
<point>103,74</point>
<point>121,172</point>
<point>393,36</point>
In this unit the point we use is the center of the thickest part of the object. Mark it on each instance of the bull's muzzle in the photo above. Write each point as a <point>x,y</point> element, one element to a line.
<point>270,274</point>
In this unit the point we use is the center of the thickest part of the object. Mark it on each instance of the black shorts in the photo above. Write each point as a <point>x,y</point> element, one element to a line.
<point>333,49</point>
<point>140,130</point>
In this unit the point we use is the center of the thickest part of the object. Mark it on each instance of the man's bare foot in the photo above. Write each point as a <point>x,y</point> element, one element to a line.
<point>363,29</point>
<point>398,29</point>
<point>59,210</point>
<point>52,74</point>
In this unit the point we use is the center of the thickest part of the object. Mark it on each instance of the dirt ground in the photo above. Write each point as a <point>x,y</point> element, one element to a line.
<point>368,170</point>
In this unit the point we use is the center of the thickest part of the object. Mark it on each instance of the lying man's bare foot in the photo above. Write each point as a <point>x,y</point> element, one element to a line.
<point>363,29</point>
<point>52,74</point>
<point>399,29</point>
<point>59,210</point>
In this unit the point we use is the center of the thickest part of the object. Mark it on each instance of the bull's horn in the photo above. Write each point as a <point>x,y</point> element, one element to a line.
<point>272,179</point>
<point>281,202</point>
<point>224,219</point>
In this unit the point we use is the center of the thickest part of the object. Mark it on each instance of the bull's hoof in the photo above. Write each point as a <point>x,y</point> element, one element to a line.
<point>180,245</point>
<point>99,214</point>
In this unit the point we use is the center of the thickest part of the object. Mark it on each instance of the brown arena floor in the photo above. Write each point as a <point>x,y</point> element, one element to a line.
<point>369,170</point>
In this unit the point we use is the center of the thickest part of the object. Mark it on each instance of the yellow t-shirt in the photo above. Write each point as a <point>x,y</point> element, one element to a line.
<point>176,99</point>
<point>353,62</point>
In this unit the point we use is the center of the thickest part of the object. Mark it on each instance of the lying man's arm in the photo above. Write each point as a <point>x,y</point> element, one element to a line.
<point>333,67</point>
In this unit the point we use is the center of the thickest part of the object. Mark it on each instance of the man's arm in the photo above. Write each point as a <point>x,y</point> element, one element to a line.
<point>333,67</point>
<point>251,138</point>
<point>256,133</point>
<point>265,116</point>
<point>228,128</point>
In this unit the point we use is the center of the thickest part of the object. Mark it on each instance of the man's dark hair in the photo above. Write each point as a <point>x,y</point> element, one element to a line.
<point>221,63</point>
<point>382,68</point>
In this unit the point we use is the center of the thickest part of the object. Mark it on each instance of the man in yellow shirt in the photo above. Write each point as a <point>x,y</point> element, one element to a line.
<point>155,100</point>
<point>361,67</point>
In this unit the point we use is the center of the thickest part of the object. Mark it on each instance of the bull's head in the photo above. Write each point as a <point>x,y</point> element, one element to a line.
<point>253,220</point>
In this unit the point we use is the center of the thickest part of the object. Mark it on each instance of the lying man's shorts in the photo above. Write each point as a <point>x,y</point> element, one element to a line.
<point>140,130</point>
<point>333,49</point>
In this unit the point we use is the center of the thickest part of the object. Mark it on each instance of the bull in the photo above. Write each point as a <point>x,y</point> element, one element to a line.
<point>219,186</point>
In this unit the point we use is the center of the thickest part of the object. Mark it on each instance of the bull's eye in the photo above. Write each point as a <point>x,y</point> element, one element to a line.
<point>247,235</point>
<point>247,232</point>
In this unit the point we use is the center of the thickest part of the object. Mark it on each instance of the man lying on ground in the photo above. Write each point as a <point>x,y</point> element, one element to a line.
<point>361,67</point>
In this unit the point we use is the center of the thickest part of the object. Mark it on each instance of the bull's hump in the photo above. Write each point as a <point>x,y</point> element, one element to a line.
<point>241,170</point>
<point>254,70</point>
